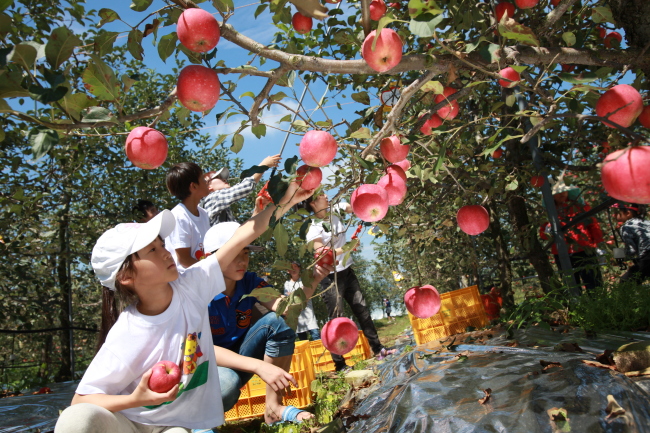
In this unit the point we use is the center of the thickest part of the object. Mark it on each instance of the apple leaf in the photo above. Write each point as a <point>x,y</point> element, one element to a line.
<point>140,5</point>
<point>220,139</point>
<point>291,164</point>
<point>585,77</point>
<point>425,29</point>
<point>281,239</point>
<point>107,16</point>
<point>569,38</point>
<point>361,97</point>
<point>223,6</point>
<point>278,96</point>
<point>281,265</point>
<point>602,14</point>
<point>263,294</point>
<point>304,228</point>
<point>4,106</point>
<point>4,4</point>
<point>46,95</point>
<point>237,143</point>
<point>103,42</point>
<point>60,46</point>
<point>419,7</point>
<point>134,44</point>
<point>24,54</point>
<point>193,57</point>
<point>74,103</point>
<point>100,80</point>
<point>259,131</point>
<point>167,45</point>
<point>98,114</point>
<point>128,81</point>
<point>433,86</point>
<point>361,133</point>
<point>42,140</point>
<point>299,125</point>
<point>511,29</point>
<point>249,94</point>
<point>489,52</point>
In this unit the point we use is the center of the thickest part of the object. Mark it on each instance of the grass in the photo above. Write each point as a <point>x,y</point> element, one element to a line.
<point>388,331</point>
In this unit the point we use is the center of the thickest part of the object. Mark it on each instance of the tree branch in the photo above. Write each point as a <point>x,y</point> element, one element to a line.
<point>277,74</point>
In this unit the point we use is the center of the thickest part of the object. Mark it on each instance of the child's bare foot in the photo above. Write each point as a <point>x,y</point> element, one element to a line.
<point>285,413</point>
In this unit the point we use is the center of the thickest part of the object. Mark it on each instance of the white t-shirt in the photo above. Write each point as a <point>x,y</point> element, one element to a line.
<point>336,236</point>
<point>180,334</point>
<point>188,233</point>
<point>307,319</point>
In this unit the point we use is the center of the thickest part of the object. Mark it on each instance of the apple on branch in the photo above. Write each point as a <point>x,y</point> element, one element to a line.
<point>198,88</point>
<point>146,147</point>
<point>393,150</point>
<point>377,9</point>
<point>340,335</point>
<point>369,202</point>
<point>301,23</point>
<point>309,178</point>
<point>625,174</point>
<point>473,219</point>
<point>621,104</point>
<point>387,52</point>
<point>317,148</point>
<point>198,30</point>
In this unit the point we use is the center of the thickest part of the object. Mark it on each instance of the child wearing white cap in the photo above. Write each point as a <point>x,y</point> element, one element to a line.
<point>166,319</point>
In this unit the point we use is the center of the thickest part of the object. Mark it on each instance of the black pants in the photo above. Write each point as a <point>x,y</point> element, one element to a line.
<point>639,271</point>
<point>348,289</point>
<point>586,269</point>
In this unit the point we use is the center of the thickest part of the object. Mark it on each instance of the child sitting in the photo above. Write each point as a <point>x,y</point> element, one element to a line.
<point>165,319</point>
<point>636,235</point>
<point>264,348</point>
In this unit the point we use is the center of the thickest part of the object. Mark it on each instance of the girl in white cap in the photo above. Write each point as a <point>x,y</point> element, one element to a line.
<point>166,319</point>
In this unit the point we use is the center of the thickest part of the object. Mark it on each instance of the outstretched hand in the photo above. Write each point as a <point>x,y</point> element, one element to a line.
<point>276,377</point>
<point>144,396</point>
<point>271,161</point>
<point>320,272</point>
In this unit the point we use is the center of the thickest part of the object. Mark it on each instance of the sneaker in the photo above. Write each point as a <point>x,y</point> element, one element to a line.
<point>342,367</point>
<point>384,353</point>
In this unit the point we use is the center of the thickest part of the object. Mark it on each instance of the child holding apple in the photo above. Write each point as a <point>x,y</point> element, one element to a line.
<point>635,232</point>
<point>244,348</point>
<point>165,320</point>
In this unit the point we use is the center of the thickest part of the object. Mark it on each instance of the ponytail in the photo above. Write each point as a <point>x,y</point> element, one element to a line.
<point>109,315</point>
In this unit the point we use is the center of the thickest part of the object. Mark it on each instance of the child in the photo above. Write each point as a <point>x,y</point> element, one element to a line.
<point>144,211</point>
<point>166,319</point>
<point>636,235</point>
<point>233,334</point>
<point>346,279</point>
<point>186,182</point>
<point>307,320</point>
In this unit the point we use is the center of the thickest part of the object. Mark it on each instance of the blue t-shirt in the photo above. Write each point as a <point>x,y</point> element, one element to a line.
<point>230,317</point>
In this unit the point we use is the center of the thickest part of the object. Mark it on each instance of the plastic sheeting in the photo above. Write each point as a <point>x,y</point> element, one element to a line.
<point>428,390</point>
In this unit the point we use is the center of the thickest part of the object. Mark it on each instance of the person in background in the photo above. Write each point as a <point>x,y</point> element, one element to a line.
<point>307,325</point>
<point>388,309</point>
<point>144,211</point>
<point>635,233</point>
<point>222,195</point>
<point>582,239</point>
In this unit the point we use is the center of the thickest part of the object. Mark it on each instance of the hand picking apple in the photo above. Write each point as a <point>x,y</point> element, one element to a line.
<point>164,376</point>
<point>145,396</point>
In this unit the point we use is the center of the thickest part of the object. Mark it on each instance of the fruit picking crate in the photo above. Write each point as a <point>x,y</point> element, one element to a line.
<point>323,358</point>
<point>252,400</point>
<point>460,308</point>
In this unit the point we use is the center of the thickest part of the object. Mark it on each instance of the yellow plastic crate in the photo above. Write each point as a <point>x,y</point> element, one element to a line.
<point>322,357</point>
<point>460,308</point>
<point>252,400</point>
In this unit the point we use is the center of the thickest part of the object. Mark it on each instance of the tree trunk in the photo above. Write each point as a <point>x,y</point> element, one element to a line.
<point>529,243</point>
<point>503,258</point>
<point>63,264</point>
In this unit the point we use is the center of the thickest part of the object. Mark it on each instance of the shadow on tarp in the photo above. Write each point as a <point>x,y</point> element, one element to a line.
<point>430,391</point>
<point>425,391</point>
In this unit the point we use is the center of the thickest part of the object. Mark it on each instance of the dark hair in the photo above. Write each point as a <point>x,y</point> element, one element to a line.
<point>180,177</point>
<point>140,210</point>
<point>125,295</point>
<point>635,209</point>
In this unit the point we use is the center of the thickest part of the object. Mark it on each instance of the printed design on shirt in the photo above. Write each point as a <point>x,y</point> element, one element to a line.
<point>191,353</point>
<point>262,283</point>
<point>243,318</point>
<point>214,321</point>
<point>199,254</point>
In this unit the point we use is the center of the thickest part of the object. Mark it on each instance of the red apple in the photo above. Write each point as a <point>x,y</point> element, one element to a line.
<point>395,5</point>
<point>537,181</point>
<point>397,170</point>
<point>165,376</point>
<point>324,255</point>
<point>198,88</point>
<point>526,4</point>
<point>301,23</point>
<point>644,117</point>
<point>611,37</point>
<point>432,122</point>
<point>340,335</point>
<point>406,164</point>
<point>377,9</point>
<point>625,174</point>
<point>623,101</point>
<point>387,53</point>
<point>332,1</point>
<point>504,8</point>
<point>497,153</point>
<point>450,110</point>
<point>422,301</point>
<point>555,2</point>
<point>198,30</point>
<point>393,150</point>
<point>369,202</point>
<point>509,74</point>
<point>473,219</point>
<point>309,177</point>
<point>601,31</point>
<point>318,148</point>
<point>395,188</point>
<point>146,147</point>
<point>568,68</point>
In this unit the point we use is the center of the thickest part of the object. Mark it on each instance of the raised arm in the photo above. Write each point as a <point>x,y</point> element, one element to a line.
<point>269,161</point>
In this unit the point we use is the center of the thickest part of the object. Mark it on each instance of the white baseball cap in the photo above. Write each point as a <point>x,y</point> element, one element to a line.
<point>116,244</point>
<point>222,174</point>
<point>221,233</point>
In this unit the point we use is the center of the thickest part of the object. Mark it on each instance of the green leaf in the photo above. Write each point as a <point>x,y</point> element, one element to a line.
<point>4,106</point>
<point>191,56</point>
<point>237,143</point>
<point>99,114</point>
<point>2,135</point>
<point>134,44</point>
<point>510,100</point>
<point>6,24</point>
<point>602,14</point>
<point>263,294</point>
<point>167,45</point>
<point>513,30</point>
<point>74,103</point>
<point>24,54</point>
<point>299,125</point>
<point>278,96</point>
<point>107,16</point>
<point>361,133</point>
<point>253,170</point>
<point>259,131</point>
<point>220,139</point>
<point>425,29</point>
<point>223,6</point>
<point>42,140</point>
<point>304,228</point>
<point>290,164</point>
<point>60,46</point>
<point>361,97</point>
<point>490,52</point>
<point>4,4</point>
<point>419,7</point>
<point>287,79</point>
<point>261,8</point>
<point>281,265</point>
<point>46,95</point>
<point>140,5</point>
<point>512,185</point>
<point>249,94</point>
<point>277,187</point>
<point>10,84</point>
<point>433,86</point>
<point>103,42</point>
<point>569,38</point>
<point>100,80</point>
<point>281,239</point>
<point>584,77</point>
<point>128,82</point>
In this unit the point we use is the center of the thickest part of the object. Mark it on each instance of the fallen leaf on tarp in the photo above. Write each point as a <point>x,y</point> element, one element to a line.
<point>606,357</point>
<point>644,372</point>
<point>559,417</point>
<point>488,393</point>
<point>613,409</point>
<point>599,365</point>
<point>567,347</point>
<point>548,365</point>
<point>513,343</point>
